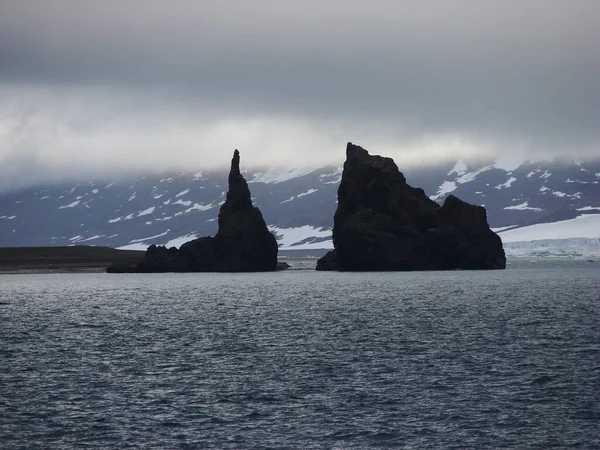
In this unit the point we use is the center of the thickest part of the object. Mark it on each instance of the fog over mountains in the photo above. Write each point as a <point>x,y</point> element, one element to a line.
<point>88,88</point>
<point>525,202</point>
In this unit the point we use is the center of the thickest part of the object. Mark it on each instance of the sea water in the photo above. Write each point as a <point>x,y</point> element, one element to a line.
<point>303,359</point>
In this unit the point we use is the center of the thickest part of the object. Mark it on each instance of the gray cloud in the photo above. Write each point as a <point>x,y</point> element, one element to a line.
<point>148,84</point>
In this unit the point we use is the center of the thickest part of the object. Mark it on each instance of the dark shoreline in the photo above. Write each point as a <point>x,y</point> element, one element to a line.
<point>75,259</point>
<point>89,259</point>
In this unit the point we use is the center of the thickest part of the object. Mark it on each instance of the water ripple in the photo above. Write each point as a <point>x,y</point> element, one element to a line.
<point>301,360</point>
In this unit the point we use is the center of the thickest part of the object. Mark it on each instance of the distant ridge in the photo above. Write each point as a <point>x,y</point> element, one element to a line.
<point>177,207</point>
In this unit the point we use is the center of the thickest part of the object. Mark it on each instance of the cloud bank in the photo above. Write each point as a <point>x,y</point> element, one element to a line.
<point>95,88</point>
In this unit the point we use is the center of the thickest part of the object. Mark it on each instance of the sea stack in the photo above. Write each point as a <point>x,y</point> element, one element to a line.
<point>242,244</point>
<point>382,223</point>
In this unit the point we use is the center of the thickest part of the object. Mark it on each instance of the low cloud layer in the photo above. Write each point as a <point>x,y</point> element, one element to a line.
<point>90,88</point>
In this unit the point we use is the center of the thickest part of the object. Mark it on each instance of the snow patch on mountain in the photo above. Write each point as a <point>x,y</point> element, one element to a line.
<point>568,180</point>
<point>275,176</point>
<point>460,168</point>
<point>523,207</point>
<point>97,236</point>
<point>463,177</point>
<point>178,242</point>
<point>470,176</point>
<point>305,237</point>
<point>336,175</point>
<point>508,183</point>
<point>198,207</point>
<point>146,211</point>
<point>563,194</point>
<point>118,219</point>
<point>303,194</point>
<point>310,191</point>
<point>445,188</point>
<point>70,205</point>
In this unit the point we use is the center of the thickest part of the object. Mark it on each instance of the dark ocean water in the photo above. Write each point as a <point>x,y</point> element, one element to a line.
<point>300,359</point>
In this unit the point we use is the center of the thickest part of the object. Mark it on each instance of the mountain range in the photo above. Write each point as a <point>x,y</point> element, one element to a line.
<point>533,205</point>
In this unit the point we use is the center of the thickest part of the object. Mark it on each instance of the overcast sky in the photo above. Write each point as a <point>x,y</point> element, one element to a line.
<point>97,87</point>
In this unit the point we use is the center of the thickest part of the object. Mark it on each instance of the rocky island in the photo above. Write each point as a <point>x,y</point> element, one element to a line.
<point>382,223</point>
<point>242,244</point>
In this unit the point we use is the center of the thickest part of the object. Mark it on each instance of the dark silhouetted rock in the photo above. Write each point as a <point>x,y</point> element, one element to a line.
<point>242,244</point>
<point>282,265</point>
<point>328,261</point>
<point>119,267</point>
<point>382,223</point>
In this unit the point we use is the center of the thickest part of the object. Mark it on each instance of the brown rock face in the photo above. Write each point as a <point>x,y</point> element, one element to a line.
<point>382,223</point>
<point>242,244</point>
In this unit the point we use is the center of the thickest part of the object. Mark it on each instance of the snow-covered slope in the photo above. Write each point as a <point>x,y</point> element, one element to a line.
<point>578,237</point>
<point>583,226</point>
<point>527,193</point>
<point>170,209</point>
<point>298,205</point>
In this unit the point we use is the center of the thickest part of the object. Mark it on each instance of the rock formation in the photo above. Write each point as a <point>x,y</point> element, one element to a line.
<point>242,244</point>
<point>382,223</point>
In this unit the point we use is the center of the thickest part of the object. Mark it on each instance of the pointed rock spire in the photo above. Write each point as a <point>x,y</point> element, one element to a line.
<point>242,244</point>
<point>238,195</point>
<point>235,161</point>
